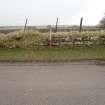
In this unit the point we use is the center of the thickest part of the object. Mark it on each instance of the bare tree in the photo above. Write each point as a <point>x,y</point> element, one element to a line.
<point>102,22</point>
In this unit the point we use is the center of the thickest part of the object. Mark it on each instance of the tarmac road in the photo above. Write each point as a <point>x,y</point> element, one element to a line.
<point>52,84</point>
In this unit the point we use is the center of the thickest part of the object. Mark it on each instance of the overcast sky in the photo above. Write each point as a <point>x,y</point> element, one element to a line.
<point>45,12</point>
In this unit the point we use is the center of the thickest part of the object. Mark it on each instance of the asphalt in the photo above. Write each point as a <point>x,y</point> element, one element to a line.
<point>52,84</point>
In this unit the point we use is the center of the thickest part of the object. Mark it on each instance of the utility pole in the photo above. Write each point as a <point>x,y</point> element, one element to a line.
<point>81,21</point>
<point>25,24</point>
<point>56,25</point>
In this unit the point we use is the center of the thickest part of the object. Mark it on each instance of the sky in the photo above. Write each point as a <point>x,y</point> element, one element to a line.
<point>45,12</point>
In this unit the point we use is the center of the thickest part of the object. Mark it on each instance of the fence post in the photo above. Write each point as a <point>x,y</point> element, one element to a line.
<point>81,21</point>
<point>50,36</point>
<point>56,25</point>
<point>25,24</point>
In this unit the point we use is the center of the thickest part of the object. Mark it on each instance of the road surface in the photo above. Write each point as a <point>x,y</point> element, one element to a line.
<point>52,84</point>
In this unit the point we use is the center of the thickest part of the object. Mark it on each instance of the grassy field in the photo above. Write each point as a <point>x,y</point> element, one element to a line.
<point>55,54</point>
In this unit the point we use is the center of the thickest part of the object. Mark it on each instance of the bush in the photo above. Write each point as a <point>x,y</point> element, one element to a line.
<point>34,39</point>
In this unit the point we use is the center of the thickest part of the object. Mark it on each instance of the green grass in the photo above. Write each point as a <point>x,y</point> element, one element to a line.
<point>58,54</point>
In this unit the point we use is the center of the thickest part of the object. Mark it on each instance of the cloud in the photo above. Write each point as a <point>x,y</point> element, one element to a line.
<point>13,12</point>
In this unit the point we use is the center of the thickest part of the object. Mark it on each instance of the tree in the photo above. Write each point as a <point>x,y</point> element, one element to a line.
<point>102,22</point>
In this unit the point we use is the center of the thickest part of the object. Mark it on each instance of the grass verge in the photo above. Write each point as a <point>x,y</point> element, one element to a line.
<point>54,54</point>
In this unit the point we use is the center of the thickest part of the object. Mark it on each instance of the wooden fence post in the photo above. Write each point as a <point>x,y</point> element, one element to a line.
<point>50,36</point>
<point>56,25</point>
<point>81,21</point>
<point>25,24</point>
